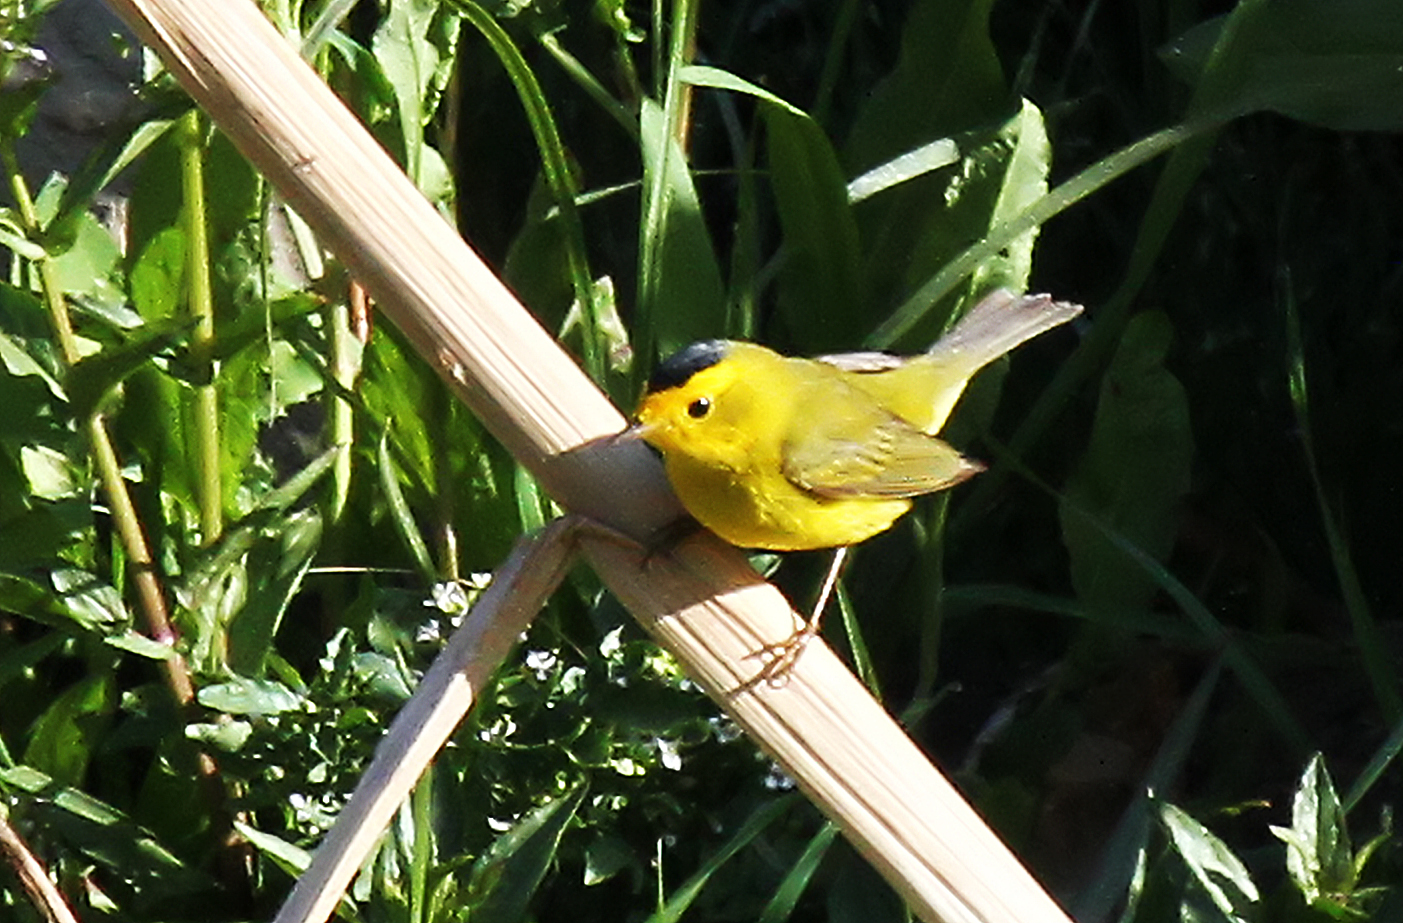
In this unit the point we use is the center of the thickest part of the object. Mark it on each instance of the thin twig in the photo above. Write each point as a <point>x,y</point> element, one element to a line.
<point>30,872</point>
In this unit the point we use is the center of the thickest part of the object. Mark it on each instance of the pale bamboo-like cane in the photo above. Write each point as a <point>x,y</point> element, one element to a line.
<point>704,602</point>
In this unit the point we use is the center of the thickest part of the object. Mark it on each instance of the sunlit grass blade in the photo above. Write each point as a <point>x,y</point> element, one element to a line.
<point>786,896</point>
<point>1069,193</point>
<point>852,630</point>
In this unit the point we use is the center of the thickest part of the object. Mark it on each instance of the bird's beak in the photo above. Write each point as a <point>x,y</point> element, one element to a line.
<point>638,431</point>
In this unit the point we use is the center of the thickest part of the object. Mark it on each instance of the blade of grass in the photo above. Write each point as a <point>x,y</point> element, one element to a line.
<point>754,825</point>
<point>1119,858</point>
<point>1057,200</point>
<point>1020,598</point>
<point>421,853</point>
<point>834,57</point>
<point>786,897</point>
<point>400,513</point>
<point>1383,757</point>
<point>556,167</point>
<point>852,630</point>
<point>576,71</point>
<point>1373,649</point>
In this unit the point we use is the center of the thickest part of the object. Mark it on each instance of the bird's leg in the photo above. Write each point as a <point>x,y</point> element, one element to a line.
<point>781,657</point>
<point>829,582</point>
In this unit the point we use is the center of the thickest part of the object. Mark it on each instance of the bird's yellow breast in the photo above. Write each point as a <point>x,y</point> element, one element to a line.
<point>757,507</point>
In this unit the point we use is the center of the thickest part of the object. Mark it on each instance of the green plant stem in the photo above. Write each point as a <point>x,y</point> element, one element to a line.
<point>150,597</point>
<point>932,564</point>
<point>833,61</point>
<point>683,50</point>
<point>200,302</point>
<point>346,354</point>
<point>445,496</point>
<point>151,600</point>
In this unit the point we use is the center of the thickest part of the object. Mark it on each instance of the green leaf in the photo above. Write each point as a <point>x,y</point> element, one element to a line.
<point>93,378</point>
<point>678,277</point>
<point>227,555</point>
<point>503,881</point>
<point>157,275</point>
<point>914,163</point>
<point>1334,63</point>
<point>278,566</point>
<point>19,104</point>
<point>292,859</point>
<point>1134,473</point>
<point>87,600</point>
<point>88,265</point>
<point>605,857</point>
<point>136,643</point>
<point>1022,181</point>
<point>1318,854</point>
<point>926,222</point>
<point>243,696</point>
<point>414,45</point>
<point>22,596</point>
<point>400,513</point>
<point>125,851</point>
<point>1213,865</point>
<point>383,677</point>
<point>50,474</point>
<point>63,740</point>
<point>801,873</point>
<point>99,170</point>
<point>820,284</point>
<point>13,236</point>
<point>947,79</point>
<point>229,736</point>
<point>400,389</point>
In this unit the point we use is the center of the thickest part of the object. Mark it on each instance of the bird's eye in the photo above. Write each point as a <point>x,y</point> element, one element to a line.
<point>699,408</point>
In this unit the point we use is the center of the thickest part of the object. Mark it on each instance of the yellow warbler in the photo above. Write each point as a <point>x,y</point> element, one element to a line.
<point>790,454</point>
<point>787,454</point>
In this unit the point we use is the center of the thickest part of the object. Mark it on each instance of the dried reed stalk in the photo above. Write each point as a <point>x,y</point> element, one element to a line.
<point>704,603</point>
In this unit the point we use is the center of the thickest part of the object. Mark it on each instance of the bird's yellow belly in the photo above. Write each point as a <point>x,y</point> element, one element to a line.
<point>760,509</point>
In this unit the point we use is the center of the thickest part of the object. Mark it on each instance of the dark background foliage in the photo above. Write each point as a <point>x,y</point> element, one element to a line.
<point>1175,577</point>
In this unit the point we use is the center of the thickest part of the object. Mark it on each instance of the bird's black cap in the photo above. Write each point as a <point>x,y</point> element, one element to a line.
<point>686,362</point>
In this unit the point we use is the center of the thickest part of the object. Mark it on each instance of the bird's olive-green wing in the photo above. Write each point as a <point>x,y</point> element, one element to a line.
<point>880,457</point>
